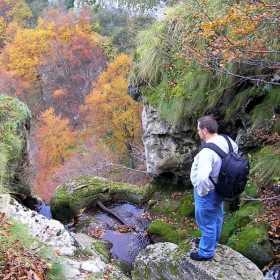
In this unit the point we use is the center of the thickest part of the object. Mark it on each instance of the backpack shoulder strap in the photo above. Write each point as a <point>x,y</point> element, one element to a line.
<point>215,148</point>
<point>229,143</point>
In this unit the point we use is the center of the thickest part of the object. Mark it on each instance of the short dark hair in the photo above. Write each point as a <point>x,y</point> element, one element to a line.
<point>209,123</point>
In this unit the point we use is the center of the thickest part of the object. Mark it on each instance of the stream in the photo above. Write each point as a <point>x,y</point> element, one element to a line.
<point>127,239</point>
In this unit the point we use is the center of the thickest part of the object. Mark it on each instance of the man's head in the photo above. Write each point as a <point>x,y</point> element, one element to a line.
<point>207,126</point>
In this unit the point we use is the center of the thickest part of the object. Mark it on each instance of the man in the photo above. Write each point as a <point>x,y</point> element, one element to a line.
<point>208,204</point>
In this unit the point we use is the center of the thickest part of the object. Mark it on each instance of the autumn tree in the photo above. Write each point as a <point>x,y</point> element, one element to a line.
<point>15,10</point>
<point>109,111</point>
<point>92,158</point>
<point>55,141</point>
<point>13,14</point>
<point>61,54</point>
<point>21,59</point>
<point>73,61</point>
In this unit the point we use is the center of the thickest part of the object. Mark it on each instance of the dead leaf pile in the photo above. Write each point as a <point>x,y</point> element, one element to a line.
<point>271,202</point>
<point>16,261</point>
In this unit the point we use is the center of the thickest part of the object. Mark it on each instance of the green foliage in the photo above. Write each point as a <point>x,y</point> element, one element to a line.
<point>56,268</point>
<point>70,4</point>
<point>119,27</point>
<point>267,164</point>
<point>276,126</point>
<point>237,103</point>
<point>56,272</point>
<point>251,189</point>
<point>181,87</point>
<point>149,56</point>
<point>38,7</point>
<point>18,232</point>
<point>267,108</point>
<point>229,227</point>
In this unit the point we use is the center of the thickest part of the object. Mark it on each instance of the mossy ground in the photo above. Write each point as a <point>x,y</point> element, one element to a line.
<point>175,213</point>
<point>174,222</point>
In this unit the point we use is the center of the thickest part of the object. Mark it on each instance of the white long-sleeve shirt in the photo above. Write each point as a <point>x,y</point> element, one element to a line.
<point>208,163</point>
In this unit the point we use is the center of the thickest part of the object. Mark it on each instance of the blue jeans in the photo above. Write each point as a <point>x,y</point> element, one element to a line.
<point>209,218</point>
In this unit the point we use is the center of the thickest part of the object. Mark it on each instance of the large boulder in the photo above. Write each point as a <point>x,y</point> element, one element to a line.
<point>168,261</point>
<point>253,242</point>
<point>85,192</point>
<point>15,164</point>
<point>49,232</point>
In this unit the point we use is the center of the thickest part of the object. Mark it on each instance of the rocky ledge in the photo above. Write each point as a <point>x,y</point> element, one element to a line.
<point>168,261</point>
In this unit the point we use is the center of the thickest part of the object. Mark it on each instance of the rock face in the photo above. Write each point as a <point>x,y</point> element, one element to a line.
<point>15,167</point>
<point>169,150</point>
<point>168,261</point>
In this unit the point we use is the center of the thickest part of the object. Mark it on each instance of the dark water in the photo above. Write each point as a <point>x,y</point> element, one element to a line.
<point>127,240</point>
<point>44,209</point>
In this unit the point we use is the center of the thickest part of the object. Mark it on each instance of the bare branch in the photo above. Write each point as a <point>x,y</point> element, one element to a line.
<point>248,198</point>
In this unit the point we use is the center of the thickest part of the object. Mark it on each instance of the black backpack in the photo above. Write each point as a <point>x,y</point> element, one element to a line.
<point>234,171</point>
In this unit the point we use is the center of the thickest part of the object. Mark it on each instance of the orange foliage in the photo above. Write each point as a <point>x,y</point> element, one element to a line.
<point>59,93</point>
<point>25,50</point>
<point>55,142</point>
<point>110,112</point>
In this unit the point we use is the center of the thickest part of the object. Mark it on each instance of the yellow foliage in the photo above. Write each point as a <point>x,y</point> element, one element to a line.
<point>24,52</point>
<point>17,11</point>
<point>2,28</point>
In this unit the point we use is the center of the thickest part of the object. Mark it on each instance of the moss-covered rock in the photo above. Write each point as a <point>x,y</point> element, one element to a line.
<point>248,213</point>
<point>84,192</point>
<point>167,232</point>
<point>124,267</point>
<point>165,207</point>
<point>253,243</point>
<point>15,164</point>
<point>251,189</point>
<point>169,261</point>
<point>102,247</point>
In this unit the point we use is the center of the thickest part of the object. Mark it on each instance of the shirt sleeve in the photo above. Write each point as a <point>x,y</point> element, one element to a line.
<point>200,171</point>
